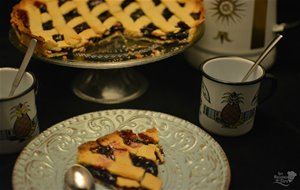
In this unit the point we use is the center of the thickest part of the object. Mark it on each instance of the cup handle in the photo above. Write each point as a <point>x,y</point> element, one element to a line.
<point>36,88</point>
<point>272,88</point>
<point>285,26</point>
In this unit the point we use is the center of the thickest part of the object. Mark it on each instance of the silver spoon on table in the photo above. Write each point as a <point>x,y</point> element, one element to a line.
<point>78,177</point>
<point>23,67</point>
<point>262,56</point>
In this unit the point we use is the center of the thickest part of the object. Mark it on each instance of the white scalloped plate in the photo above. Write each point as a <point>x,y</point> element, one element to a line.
<point>194,160</point>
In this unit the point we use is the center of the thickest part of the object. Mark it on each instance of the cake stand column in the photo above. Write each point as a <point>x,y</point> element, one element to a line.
<point>109,86</point>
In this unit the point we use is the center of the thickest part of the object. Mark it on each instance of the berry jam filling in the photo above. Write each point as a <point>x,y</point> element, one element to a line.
<point>108,179</point>
<point>93,3</point>
<point>125,3</point>
<point>146,139</point>
<point>147,30</point>
<point>81,27</point>
<point>167,13</point>
<point>48,25</point>
<point>61,2</point>
<point>181,4</point>
<point>195,16</point>
<point>105,150</point>
<point>103,175</point>
<point>117,27</point>
<point>156,2</point>
<point>148,165</point>
<point>182,34</point>
<point>95,39</point>
<point>58,37</point>
<point>22,15</point>
<point>104,16</point>
<point>183,26</point>
<point>70,15</point>
<point>137,14</point>
<point>41,6</point>
<point>129,137</point>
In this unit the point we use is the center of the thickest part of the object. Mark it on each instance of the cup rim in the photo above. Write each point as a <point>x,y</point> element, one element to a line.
<point>32,86</point>
<point>230,82</point>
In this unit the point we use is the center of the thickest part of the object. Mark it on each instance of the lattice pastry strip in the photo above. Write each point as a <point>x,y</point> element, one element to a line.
<point>155,14</point>
<point>123,14</point>
<point>91,20</point>
<point>102,14</point>
<point>70,36</point>
<point>41,25</point>
<point>46,28</point>
<point>140,20</point>
<point>74,14</point>
<point>186,12</point>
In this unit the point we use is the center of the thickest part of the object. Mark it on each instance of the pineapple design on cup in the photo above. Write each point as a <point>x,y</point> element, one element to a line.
<point>231,113</point>
<point>24,127</point>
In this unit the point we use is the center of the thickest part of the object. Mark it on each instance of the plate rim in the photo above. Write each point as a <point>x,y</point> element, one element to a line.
<point>161,115</point>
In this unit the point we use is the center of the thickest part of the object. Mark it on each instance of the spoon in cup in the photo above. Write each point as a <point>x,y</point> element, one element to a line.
<point>262,56</point>
<point>23,67</point>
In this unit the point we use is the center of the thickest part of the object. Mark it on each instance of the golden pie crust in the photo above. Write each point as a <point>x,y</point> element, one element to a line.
<point>66,26</point>
<point>124,160</point>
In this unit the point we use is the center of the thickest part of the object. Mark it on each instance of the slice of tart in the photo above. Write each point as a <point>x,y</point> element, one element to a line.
<point>124,160</point>
<point>63,27</point>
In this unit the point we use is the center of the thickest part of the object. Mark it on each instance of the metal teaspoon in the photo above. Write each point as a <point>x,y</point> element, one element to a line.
<point>78,177</point>
<point>23,66</point>
<point>262,56</point>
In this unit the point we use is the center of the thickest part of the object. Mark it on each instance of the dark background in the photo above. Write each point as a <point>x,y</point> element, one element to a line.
<point>174,88</point>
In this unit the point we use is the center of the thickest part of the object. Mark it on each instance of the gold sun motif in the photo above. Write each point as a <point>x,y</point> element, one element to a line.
<point>228,10</point>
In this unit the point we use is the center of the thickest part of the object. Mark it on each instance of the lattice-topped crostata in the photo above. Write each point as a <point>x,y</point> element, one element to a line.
<point>124,160</point>
<point>66,26</point>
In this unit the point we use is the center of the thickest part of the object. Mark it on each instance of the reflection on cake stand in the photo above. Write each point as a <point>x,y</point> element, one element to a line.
<point>110,77</point>
<point>110,86</point>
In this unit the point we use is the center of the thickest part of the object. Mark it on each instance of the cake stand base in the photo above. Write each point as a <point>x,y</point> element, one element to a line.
<point>109,86</point>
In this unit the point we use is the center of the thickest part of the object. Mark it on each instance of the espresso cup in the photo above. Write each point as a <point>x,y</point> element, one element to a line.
<point>18,123</point>
<point>227,105</point>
